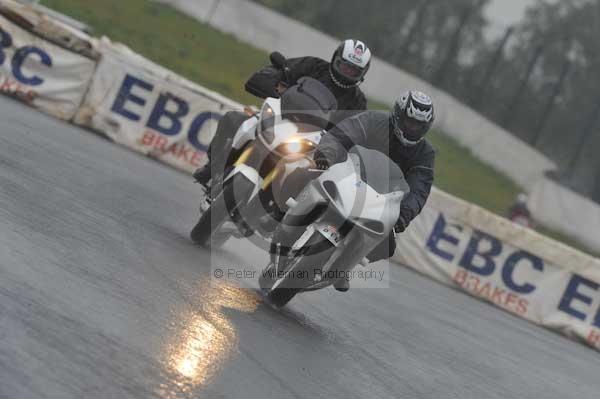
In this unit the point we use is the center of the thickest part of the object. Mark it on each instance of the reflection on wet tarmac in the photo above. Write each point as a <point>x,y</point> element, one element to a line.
<point>206,343</point>
<point>208,338</point>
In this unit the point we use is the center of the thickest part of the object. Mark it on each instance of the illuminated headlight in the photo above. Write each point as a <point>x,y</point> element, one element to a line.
<point>293,147</point>
<point>296,146</point>
<point>267,124</point>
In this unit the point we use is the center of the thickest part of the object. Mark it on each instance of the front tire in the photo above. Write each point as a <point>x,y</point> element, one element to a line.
<point>266,278</point>
<point>317,251</point>
<point>235,194</point>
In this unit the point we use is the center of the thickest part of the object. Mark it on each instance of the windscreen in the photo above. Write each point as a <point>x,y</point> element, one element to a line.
<point>308,102</point>
<point>379,172</point>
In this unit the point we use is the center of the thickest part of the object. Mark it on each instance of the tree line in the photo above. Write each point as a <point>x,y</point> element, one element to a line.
<point>538,79</point>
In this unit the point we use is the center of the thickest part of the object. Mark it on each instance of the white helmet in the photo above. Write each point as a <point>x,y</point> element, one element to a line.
<point>350,63</point>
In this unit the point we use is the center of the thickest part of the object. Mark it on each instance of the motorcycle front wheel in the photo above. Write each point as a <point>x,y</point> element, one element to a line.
<point>234,195</point>
<point>315,254</point>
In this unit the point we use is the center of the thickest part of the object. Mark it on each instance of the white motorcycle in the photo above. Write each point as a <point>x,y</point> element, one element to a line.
<point>335,222</point>
<point>269,147</point>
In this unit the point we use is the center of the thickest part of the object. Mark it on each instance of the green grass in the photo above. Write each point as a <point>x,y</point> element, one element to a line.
<point>173,40</point>
<point>222,63</point>
<point>460,173</point>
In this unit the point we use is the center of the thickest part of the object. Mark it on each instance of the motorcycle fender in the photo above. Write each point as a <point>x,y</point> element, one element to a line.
<point>249,173</point>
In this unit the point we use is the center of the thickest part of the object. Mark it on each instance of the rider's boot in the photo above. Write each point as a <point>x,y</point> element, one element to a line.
<point>342,284</point>
<point>203,176</point>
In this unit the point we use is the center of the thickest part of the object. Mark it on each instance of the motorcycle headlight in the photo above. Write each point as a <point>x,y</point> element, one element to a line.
<point>267,124</point>
<point>296,146</point>
<point>293,147</point>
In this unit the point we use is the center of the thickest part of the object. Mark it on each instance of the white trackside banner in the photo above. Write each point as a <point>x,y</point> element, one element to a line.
<point>510,266</point>
<point>40,73</point>
<point>151,110</point>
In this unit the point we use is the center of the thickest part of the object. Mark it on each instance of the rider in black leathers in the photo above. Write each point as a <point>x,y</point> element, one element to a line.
<point>342,76</point>
<point>399,134</point>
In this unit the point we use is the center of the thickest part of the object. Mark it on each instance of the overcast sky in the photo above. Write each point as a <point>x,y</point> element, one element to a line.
<point>507,12</point>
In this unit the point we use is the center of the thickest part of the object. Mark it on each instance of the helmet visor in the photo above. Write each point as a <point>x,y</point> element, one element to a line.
<point>348,69</point>
<point>412,129</point>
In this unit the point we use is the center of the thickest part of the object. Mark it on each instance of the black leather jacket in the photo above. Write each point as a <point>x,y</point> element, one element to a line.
<point>372,129</point>
<point>350,101</point>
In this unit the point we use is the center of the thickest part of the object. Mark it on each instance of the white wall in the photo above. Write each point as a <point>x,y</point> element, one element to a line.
<point>564,210</point>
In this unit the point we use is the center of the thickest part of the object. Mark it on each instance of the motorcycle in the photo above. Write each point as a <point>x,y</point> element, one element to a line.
<point>333,224</point>
<point>267,149</point>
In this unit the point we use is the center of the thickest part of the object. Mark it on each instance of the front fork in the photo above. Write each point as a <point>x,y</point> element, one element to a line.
<point>247,165</point>
<point>249,171</point>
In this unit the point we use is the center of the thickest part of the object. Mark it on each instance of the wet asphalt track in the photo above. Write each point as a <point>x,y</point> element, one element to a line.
<point>103,296</point>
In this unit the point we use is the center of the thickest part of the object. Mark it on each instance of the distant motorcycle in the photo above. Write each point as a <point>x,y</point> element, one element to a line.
<point>346,216</point>
<point>269,147</point>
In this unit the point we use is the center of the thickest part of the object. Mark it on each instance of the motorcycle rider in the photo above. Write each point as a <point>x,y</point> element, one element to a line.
<point>342,76</point>
<point>400,134</point>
